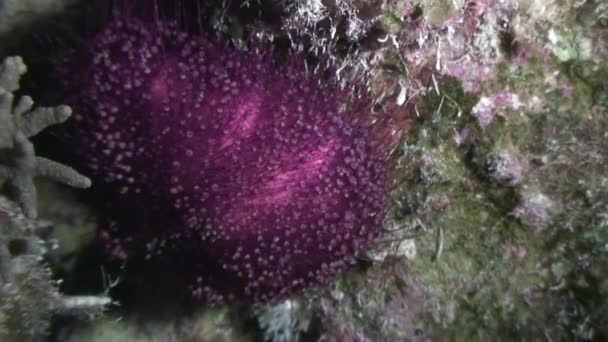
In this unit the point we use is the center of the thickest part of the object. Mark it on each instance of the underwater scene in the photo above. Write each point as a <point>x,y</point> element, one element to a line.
<point>303,170</point>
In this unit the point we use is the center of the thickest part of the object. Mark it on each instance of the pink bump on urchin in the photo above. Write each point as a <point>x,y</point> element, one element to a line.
<point>242,171</point>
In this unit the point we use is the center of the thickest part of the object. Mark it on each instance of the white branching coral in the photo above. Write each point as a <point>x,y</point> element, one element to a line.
<point>19,164</point>
<point>283,322</point>
<point>29,295</point>
<point>311,11</point>
<point>320,21</point>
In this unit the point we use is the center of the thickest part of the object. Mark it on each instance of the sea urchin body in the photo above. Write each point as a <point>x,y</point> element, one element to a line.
<point>243,171</point>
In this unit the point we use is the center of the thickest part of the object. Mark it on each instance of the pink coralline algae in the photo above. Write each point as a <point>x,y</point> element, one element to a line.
<point>488,108</point>
<point>242,172</point>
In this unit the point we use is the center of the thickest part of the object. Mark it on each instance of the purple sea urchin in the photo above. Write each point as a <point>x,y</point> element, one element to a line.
<point>244,172</point>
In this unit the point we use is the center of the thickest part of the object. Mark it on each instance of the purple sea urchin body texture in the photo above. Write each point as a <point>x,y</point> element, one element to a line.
<point>243,172</point>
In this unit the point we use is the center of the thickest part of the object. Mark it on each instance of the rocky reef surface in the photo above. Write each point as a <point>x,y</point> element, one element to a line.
<point>497,224</point>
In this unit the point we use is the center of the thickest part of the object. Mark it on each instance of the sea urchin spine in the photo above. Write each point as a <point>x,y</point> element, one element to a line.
<point>242,171</point>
